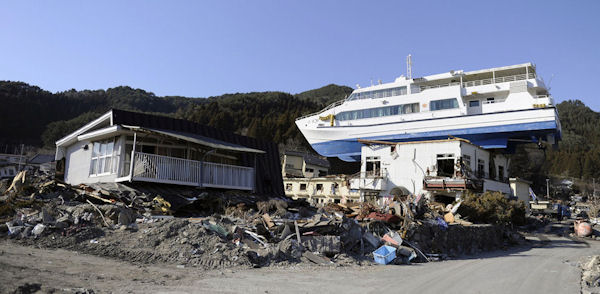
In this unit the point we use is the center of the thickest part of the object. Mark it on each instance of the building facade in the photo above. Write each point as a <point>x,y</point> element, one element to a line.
<point>321,190</point>
<point>431,168</point>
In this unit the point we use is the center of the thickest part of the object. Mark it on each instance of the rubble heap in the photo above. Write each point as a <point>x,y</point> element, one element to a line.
<point>590,274</point>
<point>215,229</point>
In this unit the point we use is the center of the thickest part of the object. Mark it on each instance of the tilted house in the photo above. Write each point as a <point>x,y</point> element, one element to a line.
<point>299,164</point>
<point>123,146</point>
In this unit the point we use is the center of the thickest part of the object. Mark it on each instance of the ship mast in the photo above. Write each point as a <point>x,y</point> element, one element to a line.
<point>409,66</point>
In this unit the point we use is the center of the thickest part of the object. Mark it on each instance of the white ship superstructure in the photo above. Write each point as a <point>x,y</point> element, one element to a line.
<point>491,107</point>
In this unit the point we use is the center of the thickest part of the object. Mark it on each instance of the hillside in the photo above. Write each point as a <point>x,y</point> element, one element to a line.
<point>33,116</point>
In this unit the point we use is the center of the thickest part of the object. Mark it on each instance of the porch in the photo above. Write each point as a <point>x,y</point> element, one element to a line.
<point>178,158</point>
<point>171,170</point>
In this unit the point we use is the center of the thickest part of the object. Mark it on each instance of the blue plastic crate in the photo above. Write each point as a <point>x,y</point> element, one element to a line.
<point>385,254</point>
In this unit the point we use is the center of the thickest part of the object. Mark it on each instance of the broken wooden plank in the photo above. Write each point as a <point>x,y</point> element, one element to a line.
<point>449,217</point>
<point>316,259</point>
<point>297,232</point>
<point>268,220</point>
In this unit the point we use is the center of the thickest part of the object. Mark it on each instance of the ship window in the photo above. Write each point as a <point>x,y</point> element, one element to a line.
<point>490,100</point>
<point>410,108</point>
<point>474,103</point>
<point>379,93</point>
<point>443,104</point>
<point>378,112</point>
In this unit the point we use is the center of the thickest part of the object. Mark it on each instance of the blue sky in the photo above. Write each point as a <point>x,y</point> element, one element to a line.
<point>208,48</point>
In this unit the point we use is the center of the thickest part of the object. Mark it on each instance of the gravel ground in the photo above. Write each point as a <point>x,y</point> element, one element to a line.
<point>549,265</point>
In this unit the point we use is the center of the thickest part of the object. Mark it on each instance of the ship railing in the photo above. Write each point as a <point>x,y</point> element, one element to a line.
<point>498,80</point>
<point>439,85</point>
<point>332,105</point>
<point>481,82</point>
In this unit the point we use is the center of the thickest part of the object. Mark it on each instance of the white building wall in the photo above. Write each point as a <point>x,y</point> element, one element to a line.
<point>8,171</point>
<point>495,186</point>
<point>408,165</point>
<point>77,165</point>
<point>520,189</point>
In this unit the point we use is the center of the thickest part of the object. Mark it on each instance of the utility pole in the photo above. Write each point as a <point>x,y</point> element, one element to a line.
<point>21,156</point>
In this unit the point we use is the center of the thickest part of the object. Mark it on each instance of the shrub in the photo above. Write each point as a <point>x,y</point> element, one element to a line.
<point>492,208</point>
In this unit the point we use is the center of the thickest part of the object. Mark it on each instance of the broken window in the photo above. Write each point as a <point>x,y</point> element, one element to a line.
<point>445,165</point>
<point>104,158</point>
<point>320,187</point>
<point>480,168</point>
<point>302,187</point>
<point>373,167</point>
<point>288,187</point>
<point>334,188</point>
<point>501,173</point>
<point>322,173</point>
<point>467,160</point>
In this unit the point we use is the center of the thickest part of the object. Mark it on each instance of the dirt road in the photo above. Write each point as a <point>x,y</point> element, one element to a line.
<point>550,266</point>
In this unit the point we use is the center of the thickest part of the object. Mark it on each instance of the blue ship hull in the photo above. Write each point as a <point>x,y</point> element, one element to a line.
<point>486,137</point>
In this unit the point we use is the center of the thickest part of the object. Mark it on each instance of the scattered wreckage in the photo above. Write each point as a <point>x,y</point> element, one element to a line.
<point>216,229</point>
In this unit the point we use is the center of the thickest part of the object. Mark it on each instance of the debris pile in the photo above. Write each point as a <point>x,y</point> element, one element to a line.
<point>215,229</point>
<point>590,274</point>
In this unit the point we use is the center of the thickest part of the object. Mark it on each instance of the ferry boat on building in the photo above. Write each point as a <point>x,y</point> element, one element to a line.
<point>493,108</point>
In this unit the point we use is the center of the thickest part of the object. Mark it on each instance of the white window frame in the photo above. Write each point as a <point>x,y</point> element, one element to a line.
<point>101,156</point>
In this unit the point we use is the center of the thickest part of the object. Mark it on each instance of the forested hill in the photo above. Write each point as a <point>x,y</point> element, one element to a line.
<point>578,154</point>
<point>34,116</point>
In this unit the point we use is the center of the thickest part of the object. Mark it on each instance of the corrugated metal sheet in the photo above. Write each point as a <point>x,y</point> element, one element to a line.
<point>268,167</point>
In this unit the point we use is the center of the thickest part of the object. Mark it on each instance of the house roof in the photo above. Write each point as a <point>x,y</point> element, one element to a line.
<point>310,159</point>
<point>41,158</point>
<point>194,138</point>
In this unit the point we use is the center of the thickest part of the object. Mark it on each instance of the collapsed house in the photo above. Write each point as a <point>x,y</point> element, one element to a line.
<point>305,176</point>
<point>441,170</point>
<point>124,147</point>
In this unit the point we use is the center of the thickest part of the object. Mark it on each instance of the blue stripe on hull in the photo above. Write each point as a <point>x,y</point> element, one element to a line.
<point>486,137</point>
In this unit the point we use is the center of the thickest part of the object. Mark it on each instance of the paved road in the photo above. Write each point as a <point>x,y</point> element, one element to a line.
<point>548,267</point>
<point>551,268</point>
